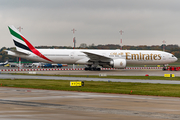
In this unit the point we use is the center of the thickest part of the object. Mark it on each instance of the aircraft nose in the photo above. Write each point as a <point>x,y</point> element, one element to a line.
<point>176,58</point>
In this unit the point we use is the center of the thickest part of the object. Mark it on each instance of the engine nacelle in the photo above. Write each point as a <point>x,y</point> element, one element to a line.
<point>118,63</point>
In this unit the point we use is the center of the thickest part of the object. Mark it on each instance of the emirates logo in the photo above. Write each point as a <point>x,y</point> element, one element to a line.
<point>121,64</point>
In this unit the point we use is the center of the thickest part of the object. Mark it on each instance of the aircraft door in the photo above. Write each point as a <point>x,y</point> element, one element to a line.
<point>164,56</point>
<point>72,55</point>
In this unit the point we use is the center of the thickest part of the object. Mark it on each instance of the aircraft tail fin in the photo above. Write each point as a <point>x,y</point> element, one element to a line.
<point>23,46</point>
<point>21,43</point>
<point>6,62</point>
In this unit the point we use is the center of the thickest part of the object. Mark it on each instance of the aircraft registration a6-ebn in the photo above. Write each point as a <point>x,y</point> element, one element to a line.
<point>91,58</point>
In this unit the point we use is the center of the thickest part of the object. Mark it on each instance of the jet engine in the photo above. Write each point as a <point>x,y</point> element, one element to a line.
<point>118,63</point>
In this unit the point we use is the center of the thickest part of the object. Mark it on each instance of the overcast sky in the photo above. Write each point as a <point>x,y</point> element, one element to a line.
<point>49,22</point>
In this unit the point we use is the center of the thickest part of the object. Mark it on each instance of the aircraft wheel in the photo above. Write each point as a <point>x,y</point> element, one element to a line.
<point>98,69</point>
<point>94,69</point>
<point>86,69</point>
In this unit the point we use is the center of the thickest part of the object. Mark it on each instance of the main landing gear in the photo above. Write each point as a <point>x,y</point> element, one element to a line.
<point>92,68</point>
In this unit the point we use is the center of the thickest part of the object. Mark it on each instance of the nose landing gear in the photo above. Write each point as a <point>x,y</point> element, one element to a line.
<point>164,67</point>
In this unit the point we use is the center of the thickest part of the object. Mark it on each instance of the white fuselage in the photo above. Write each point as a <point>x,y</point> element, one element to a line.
<point>91,58</point>
<point>76,56</point>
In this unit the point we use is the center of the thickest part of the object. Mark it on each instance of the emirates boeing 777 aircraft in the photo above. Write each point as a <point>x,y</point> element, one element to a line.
<point>89,57</point>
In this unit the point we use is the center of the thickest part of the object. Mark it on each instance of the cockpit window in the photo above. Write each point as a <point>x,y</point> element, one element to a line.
<point>173,56</point>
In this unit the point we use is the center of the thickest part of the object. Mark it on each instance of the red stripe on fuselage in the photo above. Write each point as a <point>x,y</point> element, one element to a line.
<point>34,50</point>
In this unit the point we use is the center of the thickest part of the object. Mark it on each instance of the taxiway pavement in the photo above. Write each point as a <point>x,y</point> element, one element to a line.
<point>9,76</point>
<point>121,72</point>
<point>18,103</point>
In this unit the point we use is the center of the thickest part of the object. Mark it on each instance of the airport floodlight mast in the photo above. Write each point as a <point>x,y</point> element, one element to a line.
<point>121,32</point>
<point>74,38</point>
<point>164,45</point>
<point>20,28</point>
<point>74,41</point>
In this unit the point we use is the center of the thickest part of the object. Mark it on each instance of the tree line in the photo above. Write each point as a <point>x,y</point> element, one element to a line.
<point>174,49</point>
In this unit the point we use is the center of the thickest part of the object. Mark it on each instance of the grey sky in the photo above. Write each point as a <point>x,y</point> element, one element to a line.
<point>49,22</point>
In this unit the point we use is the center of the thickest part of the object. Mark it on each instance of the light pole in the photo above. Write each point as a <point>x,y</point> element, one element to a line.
<point>121,32</point>
<point>20,66</point>
<point>74,38</point>
<point>164,45</point>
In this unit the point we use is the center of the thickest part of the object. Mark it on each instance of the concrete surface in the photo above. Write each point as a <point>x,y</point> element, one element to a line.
<point>151,72</point>
<point>9,76</point>
<point>31,104</point>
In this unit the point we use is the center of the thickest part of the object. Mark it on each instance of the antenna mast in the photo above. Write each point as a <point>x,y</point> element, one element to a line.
<point>20,66</point>
<point>20,28</point>
<point>74,38</point>
<point>164,43</point>
<point>121,32</point>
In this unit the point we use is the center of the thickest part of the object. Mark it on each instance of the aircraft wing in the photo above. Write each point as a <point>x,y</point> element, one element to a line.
<point>97,57</point>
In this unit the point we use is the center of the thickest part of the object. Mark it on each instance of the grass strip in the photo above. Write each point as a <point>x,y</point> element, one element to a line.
<point>99,87</point>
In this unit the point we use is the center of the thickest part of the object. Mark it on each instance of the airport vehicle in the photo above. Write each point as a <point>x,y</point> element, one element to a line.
<point>59,65</point>
<point>171,68</point>
<point>46,65</point>
<point>49,65</point>
<point>28,65</point>
<point>5,63</point>
<point>91,58</point>
<point>39,64</point>
<point>10,64</point>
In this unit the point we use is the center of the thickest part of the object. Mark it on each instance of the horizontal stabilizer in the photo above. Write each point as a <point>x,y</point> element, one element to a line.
<point>17,52</point>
